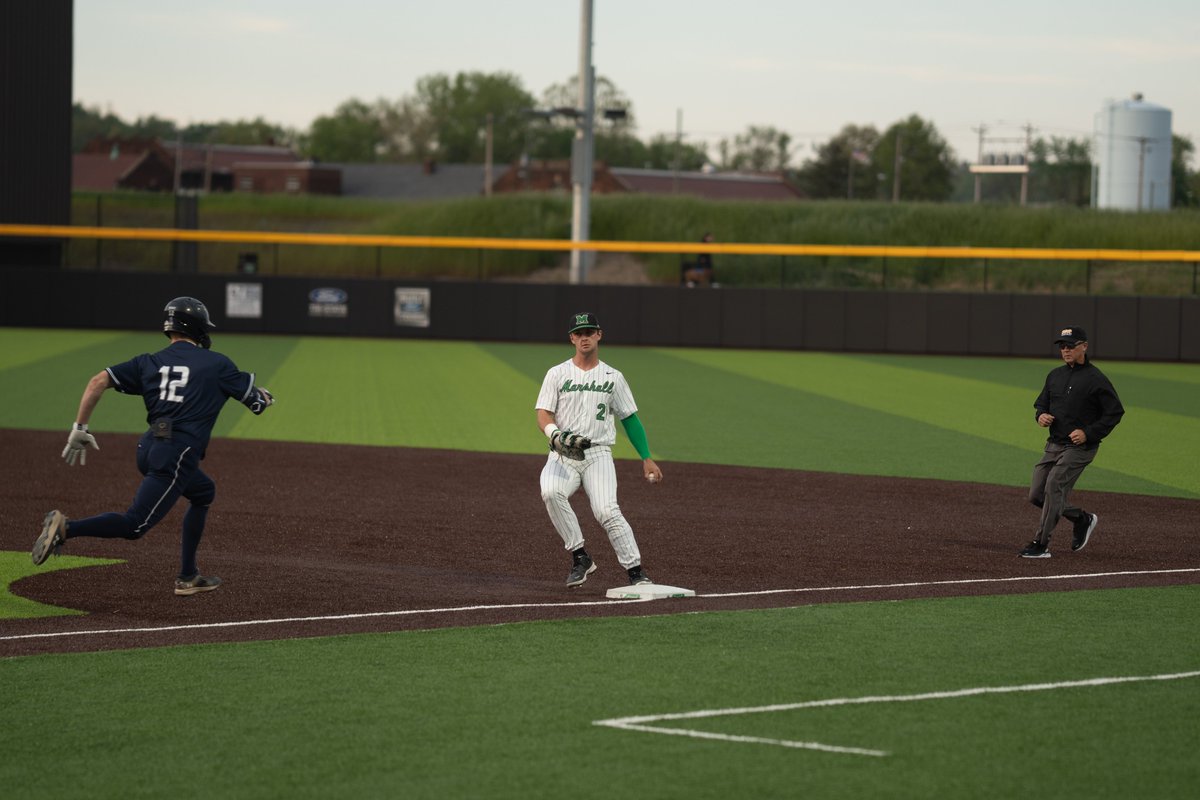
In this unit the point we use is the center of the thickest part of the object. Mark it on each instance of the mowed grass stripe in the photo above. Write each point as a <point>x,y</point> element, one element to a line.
<point>935,418</point>
<point>1151,451</point>
<point>28,345</point>
<point>398,393</point>
<point>442,713</point>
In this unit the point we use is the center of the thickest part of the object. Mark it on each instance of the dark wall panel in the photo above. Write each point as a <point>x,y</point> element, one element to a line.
<point>907,322</point>
<point>824,320</point>
<point>1152,328</point>
<point>1114,335</point>
<point>949,323</point>
<point>658,317</point>
<point>991,324</point>
<point>451,311</point>
<point>783,319</point>
<point>866,321</point>
<point>1189,329</point>
<point>373,303</point>
<point>1158,328</point>
<point>742,318</point>
<point>700,317</point>
<point>35,134</point>
<point>535,317</point>
<point>1033,324</point>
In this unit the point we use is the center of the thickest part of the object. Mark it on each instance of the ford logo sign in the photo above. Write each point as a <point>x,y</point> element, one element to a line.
<point>328,295</point>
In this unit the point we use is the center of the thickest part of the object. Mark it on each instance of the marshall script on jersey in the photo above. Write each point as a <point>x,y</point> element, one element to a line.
<point>570,386</point>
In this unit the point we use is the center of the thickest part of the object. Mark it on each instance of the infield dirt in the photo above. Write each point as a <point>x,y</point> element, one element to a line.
<point>318,540</point>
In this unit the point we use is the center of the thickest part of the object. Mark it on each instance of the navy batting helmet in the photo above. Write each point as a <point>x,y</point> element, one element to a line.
<point>189,317</point>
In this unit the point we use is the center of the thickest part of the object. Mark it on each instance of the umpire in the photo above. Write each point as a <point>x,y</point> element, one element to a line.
<point>184,387</point>
<point>1080,407</point>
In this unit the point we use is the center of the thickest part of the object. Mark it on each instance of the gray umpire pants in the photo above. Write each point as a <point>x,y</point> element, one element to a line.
<point>1053,478</point>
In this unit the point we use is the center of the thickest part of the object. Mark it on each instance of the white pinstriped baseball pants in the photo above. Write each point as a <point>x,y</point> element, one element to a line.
<point>561,477</point>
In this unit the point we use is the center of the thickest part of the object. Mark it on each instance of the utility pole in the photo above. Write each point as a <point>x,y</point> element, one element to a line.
<point>979,160</point>
<point>1025,174</point>
<point>487,158</point>
<point>582,149</point>
<point>675,158</point>
<point>896,170</point>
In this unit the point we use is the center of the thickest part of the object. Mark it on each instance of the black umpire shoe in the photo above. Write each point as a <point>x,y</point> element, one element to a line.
<point>636,576</point>
<point>1035,549</point>
<point>1083,531</point>
<point>581,568</point>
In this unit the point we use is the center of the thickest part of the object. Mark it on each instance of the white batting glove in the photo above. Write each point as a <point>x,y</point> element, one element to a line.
<point>78,440</point>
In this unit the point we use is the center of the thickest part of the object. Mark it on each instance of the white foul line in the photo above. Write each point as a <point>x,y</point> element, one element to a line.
<point>956,582</point>
<point>578,604</point>
<point>639,723</point>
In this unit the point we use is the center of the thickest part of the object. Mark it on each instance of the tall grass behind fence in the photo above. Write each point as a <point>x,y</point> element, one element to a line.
<point>659,218</point>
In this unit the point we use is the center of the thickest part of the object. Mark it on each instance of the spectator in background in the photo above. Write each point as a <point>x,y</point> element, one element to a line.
<point>698,272</point>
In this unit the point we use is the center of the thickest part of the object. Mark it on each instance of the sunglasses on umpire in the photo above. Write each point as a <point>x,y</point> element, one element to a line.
<point>1066,346</point>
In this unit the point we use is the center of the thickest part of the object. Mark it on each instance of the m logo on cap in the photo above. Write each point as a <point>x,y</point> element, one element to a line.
<point>581,319</point>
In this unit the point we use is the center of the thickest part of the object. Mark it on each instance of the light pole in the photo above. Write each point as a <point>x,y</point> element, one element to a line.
<point>582,149</point>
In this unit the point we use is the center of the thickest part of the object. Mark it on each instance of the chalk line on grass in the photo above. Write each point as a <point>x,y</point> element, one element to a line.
<point>641,723</point>
<point>574,604</point>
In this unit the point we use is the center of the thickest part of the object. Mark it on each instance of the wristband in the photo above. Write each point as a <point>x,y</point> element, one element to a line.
<point>549,430</point>
<point>82,427</point>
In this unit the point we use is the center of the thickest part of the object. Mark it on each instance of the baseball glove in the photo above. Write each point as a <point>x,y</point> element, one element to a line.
<point>569,444</point>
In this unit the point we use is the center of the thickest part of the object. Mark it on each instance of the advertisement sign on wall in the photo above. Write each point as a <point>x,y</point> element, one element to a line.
<point>328,302</point>
<point>243,300</point>
<point>412,308</point>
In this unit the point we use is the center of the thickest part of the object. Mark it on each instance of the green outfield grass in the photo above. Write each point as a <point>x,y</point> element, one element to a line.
<point>508,711</point>
<point>918,416</point>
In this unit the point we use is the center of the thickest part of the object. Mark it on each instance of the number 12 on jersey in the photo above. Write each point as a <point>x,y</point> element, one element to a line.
<point>167,388</point>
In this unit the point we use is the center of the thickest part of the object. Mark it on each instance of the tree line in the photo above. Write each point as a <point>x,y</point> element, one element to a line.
<point>450,119</point>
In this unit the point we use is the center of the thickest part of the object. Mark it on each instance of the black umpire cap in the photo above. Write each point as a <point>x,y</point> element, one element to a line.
<point>584,319</point>
<point>1072,335</point>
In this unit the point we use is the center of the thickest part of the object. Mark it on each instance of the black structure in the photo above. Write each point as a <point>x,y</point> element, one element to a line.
<point>1127,328</point>
<point>35,136</point>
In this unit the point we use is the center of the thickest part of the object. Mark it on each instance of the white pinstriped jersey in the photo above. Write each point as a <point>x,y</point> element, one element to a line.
<point>587,402</point>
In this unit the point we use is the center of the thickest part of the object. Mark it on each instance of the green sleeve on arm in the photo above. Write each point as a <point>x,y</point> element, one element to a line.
<point>637,435</point>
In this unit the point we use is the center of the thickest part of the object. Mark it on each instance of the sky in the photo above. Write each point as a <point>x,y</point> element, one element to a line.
<point>704,68</point>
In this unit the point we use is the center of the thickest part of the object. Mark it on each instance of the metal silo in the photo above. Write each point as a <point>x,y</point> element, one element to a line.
<point>1132,156</point>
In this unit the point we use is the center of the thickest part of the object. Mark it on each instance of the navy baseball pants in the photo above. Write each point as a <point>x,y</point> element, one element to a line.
<point>171,470</point>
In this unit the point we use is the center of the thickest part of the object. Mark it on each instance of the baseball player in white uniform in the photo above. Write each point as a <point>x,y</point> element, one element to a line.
<point>576,409</point>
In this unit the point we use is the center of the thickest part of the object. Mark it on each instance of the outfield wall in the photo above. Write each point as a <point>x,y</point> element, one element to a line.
<point>993,324</point>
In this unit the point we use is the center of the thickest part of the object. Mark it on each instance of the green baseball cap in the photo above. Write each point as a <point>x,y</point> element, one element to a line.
<point>584,319</point>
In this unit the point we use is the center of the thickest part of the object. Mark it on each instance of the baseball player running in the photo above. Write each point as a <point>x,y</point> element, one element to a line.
<point>184,387</point>
<point>576,407</point>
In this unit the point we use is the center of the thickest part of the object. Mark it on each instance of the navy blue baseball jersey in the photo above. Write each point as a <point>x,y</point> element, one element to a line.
<point>187,386</point>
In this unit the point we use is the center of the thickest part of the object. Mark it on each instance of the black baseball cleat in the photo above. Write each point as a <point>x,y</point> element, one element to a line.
<point>637,575</point>
<point>196,584</point>
<point>1083,531</point>
<point>1035,549</point>
<point>50,540</point>
<point>582,567</point>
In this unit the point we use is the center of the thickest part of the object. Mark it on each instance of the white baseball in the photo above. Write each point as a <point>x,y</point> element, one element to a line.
<point>653,478</point>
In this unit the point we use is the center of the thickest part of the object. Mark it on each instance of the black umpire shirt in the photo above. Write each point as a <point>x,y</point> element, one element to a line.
<point>1079,396</point>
